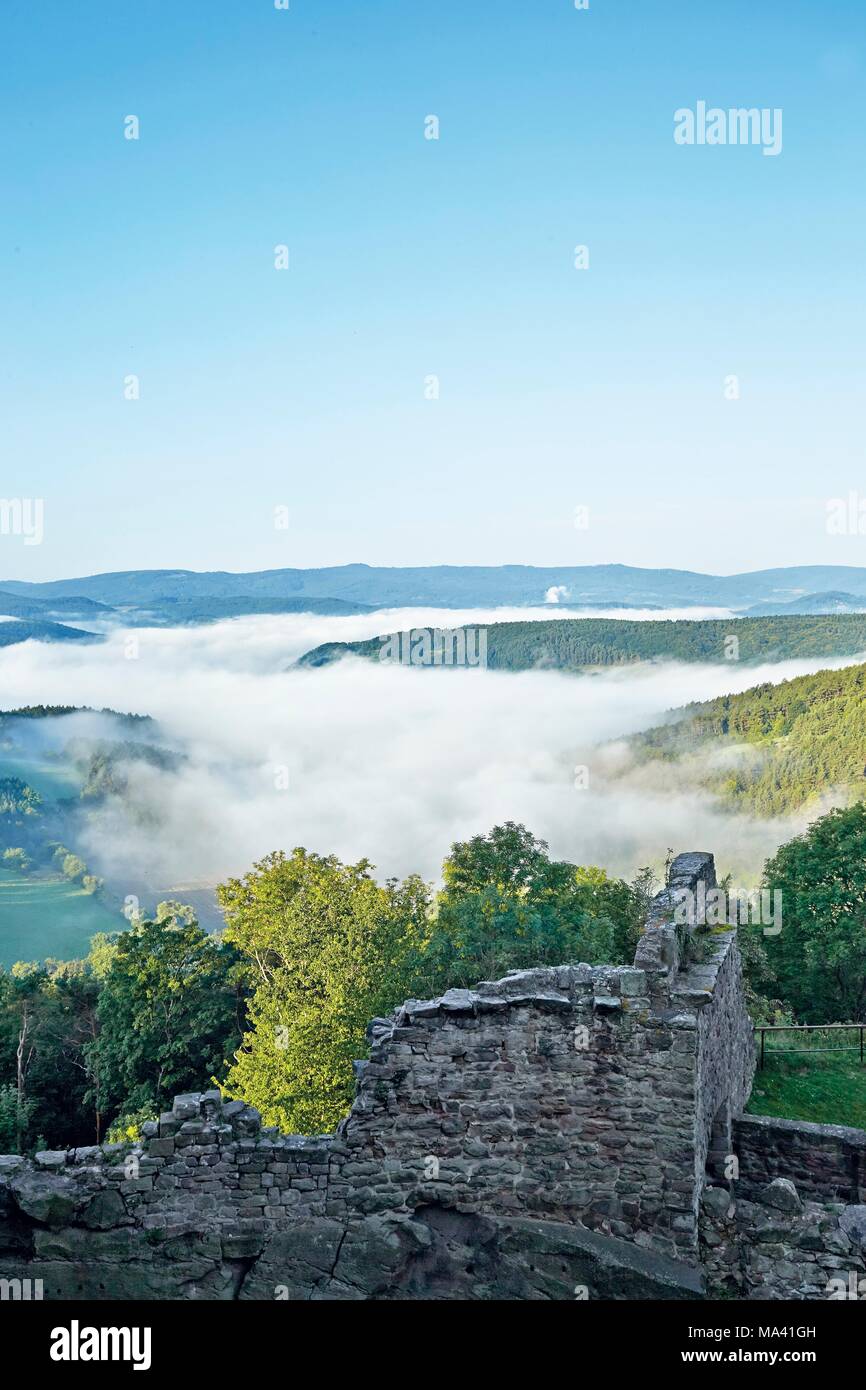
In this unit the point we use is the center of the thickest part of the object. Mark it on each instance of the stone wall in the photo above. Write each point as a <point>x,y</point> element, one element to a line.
<point>827,1162</point>
<point>776,1245</point>
<point>535,1137</point>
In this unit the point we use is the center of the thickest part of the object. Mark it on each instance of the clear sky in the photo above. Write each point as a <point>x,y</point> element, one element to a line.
<point>408,257</point>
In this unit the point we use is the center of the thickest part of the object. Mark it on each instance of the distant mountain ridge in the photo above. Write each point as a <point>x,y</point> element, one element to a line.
<point>164,611</point>
<point>833,602</point>
<point>209,608</point>
<point>14,605</point>
<point>462,585</point>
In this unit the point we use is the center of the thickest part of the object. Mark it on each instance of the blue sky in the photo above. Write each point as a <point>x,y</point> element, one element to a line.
<point>410,258</point>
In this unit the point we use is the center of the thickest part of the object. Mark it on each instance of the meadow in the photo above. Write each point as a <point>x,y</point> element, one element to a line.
<point>42,917</point>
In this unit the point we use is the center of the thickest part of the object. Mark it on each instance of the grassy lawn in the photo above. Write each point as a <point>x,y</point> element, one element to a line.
<point>826,1090</point>
<point>48,917</point>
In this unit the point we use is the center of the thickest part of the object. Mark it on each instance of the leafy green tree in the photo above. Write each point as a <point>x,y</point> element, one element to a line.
<point>327,949</point>
<point>23,1029</point>
<point>47,1017</point>
<point>507,905</point>
<point>18,799</point>
<point>171,1010</point>
<point>14,1119</point>
<point>509,859</point>
<point>819,957</point>
<point>17,859</point>
<point>72,866</point>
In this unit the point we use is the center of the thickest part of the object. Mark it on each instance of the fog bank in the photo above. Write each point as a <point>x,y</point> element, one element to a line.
<point>369,760</point>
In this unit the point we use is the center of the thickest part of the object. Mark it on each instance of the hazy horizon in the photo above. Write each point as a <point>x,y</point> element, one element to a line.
<point>83,573</point>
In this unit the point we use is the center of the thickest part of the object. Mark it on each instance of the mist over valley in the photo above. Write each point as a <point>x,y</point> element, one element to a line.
<point>249,751</point>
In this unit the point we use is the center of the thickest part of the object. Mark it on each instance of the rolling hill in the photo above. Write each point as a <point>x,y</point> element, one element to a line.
<point>209,609</point>
<point>22,630</point>
<point>46,609</point>
<point>774,748</point>
<point>573,644</point>
<point>833,602</point>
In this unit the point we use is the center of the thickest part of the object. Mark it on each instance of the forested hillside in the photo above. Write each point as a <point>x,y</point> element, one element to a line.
<point>570,644</point>
<point>801,739</point>
<point>23,630</point>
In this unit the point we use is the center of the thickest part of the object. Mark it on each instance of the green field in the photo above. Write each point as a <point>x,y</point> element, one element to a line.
<point>52,780</point>
<point>829,1090</point>
<point>48,917</point>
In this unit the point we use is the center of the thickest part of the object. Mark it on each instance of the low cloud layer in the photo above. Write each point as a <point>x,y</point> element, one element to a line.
<point>378,761</point>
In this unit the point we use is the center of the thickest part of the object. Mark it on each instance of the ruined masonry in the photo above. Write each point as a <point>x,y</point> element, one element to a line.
<point>563,1132</point>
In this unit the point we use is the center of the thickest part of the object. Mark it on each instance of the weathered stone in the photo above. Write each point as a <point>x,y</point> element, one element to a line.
<point>782,1193</point>
<point>717,1200</point>
<point>46,1197</point>
<point>104,1210</point>
<point>853,1222</point>
<point>52,1159</point>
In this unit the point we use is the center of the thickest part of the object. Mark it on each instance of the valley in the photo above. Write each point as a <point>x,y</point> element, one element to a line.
<point>160,803</point>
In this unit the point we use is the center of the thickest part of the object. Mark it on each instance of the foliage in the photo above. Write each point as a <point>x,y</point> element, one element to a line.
<point>276,1009</point>
<point>71,865</point>
<point>126,1129</point>
<point>17,858</point>
<point>47,1017</point>
<point>799,740</point>
<point>506,905</point>
<point>17,798</point>
<point>327,949</point>
<point>106,765</point>
<point>15,1119</point>
<point>819,957</point>
<point>152,1011</point>
<point>170,1011</point>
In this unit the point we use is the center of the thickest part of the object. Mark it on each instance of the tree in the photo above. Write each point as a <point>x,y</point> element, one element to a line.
<point>819,957</point>
<point>47,1015</point>
<point>171,1010</point>
<point>507,905</point>
<point>14,1121</point>
<point>509,859</point>
<point>327,949</point>
<point>72,865</point>
<point>18,859</point>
